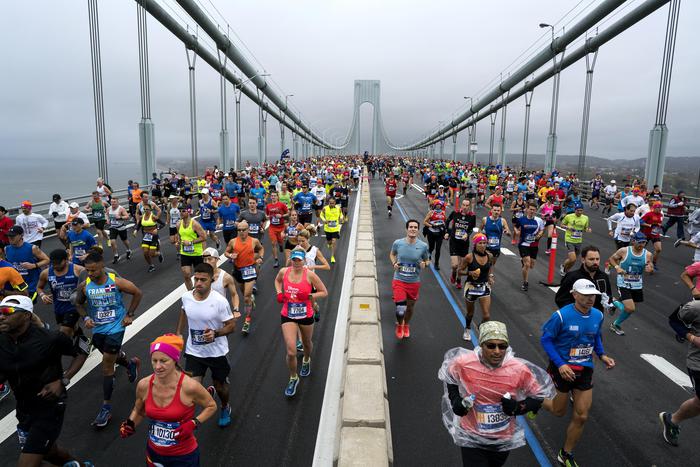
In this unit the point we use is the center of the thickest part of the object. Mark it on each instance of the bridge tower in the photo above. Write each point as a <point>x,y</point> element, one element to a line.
<point>368,91</point>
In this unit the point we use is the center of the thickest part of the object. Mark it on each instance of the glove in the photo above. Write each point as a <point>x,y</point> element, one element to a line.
<point>456,400</point>
<point>185,429</point>
<point>513,407</point>
<point>281,298</point>
<point>127,428</point>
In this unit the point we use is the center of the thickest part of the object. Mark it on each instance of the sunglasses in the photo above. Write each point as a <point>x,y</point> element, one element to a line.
<point>492,346</point>
<point>9,310</point>
<point>242,230</point>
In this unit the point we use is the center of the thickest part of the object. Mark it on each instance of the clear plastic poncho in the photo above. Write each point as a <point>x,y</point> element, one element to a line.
<point>485,426</point>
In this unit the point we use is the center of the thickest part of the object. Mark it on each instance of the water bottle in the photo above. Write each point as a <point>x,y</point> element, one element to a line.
<point>468,401</point>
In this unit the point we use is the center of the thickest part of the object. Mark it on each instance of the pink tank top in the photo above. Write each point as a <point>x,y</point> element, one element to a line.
<point>294,308</point>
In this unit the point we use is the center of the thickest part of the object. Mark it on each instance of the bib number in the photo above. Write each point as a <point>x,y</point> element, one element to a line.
<point>249,272</point>
<point>296,310</point>
<point>332,224</point>
<point>147,237</point>
<point>490,418</point>
<point>188,248</point>
<point>230,223</point>
<point>493,242</point>
<point>581,352</point>
<point>461,234</point>
<point>163,433</point>
<point>63,295</point>
<point>197,337</point>
<point>477,290</point>
<point>577,234</point>
<point>105,316</point>
<point>408,269</point>
<point>254,229</point>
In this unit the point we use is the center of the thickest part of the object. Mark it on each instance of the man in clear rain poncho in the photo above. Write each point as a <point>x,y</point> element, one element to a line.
<point>484,390</point>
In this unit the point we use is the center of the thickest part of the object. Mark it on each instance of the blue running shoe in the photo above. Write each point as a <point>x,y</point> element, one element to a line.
<point>225,416</point>
<point>4,391</point>
<point>300,347</point>
<point>103,417</point>
<point>291,388</point>
<point>305,368</point>
<point>133,369</point>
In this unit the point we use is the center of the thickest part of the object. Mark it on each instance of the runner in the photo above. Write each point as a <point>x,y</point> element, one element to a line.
<point>58,211</point>
<point>246,253</point>
<point>278,214</point>
<point>108,317</point>
<point>291,232</point>
<point>117,218</point>
<point>688,321</point>
<point>575,224</point>
<point>408,256</point>
<point>459,226</point>
<point>518,210</point>
<point>190,240</point>
<point>570,337</point>
<point>434,223</point>
<point>79,240</point>
<point>172,218</point>
<point>493,226</point>
<point>596,187</point>
<point>319,191</point>
<point>332,217</point>
<point>150,243</point>
<point>677,214</point>
<point>30,360</point>
<point>341,193</point>
<point>254,218</point>
<point>390,191</point>
<point>479,402</point>
<point>529,229</point>
<point>610,191</point>
<point>168,398</point>
<point>26,258</point>
<point>590,270</point>
<point>549,215</point>
<point>62,278</point>
<point>96,209</point>
<point>477,267</point>
<point>222,281</point>
<point>652,226</point>
<point>207,220</point>
<point>227,214</point>
<point>209,319</point>
<point>630,263</point>
<point>11,281</point>
<point>32,224</point>
<point>627,225</point>
<point>297,287</point>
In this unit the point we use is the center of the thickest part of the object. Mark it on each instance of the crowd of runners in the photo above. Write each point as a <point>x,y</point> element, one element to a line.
<point>223,225</point>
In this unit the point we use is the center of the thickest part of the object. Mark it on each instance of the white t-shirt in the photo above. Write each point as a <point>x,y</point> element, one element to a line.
<point>33,225</point>
<point>319,192</point>
<point>626,226</point>
<point>209,313</point>
<point>610,190</point>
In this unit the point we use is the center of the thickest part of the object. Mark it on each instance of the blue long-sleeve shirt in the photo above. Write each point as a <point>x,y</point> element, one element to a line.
<point>570,337</point>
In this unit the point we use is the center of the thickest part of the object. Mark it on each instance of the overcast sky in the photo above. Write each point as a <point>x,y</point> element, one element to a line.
<point>428,55</point>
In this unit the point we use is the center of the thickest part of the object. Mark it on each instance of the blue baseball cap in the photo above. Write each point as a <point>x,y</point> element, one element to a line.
<point>298,254</point>
<point>639,237</point>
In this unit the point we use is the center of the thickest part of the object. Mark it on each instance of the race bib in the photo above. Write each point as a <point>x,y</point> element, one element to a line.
<point>163,433</point>
<point>79,251</point>
<point>306,206</point>
<point>490,418</point>
<point>248,272</point>
<point>656,230</point>
<point>97,215</point>
<point>292,232</point>
<point>296,310</point>
<point>275,219</point>
<point>254,229</point>
<point>577,234</point>
<point>230,223</point>
<point>105,316</point>
<point>530,238</point>
<point>332,224</point>
<point>477,290</point>
<point>582,351</point>
<point>63,295</point>
<point>188,248</point>
<point>493,242</point>
<point>632,278</point>
<point>408,269</point>
<point>197,337</point>
<point>518,214</point>
<point>147,237</point>
<point>625,231</point>
<point>461,234</point>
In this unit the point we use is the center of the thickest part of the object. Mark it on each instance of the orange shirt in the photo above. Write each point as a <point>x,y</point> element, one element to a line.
<point>10,279</point>
<point>245,251</point>
<point>136,195</point>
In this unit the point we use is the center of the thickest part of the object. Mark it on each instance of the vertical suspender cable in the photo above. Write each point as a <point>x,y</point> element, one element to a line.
<point>93,20</point>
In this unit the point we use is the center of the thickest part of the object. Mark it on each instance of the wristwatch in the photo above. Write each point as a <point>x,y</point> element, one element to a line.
<point>65,381</point>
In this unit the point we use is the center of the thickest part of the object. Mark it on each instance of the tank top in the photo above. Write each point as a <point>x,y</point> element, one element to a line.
<point>206,211</point>
<point>332,216</point>
<point>483,273</point>
<point>519,209</point>
<point>174,217</point>
<point>437,221</point>
<point>218,284</point>
<point>98,210</point>
<point>114,221</point>
<point>61,289</point>
<point>310,256</point>
<point>105,305</point>
<point>292,233</point>
<point>494,231</point>
<point>148,222</point>
<point>24,254</point>
<point>187,234</point>
<point>294,308</point>
<point>497,200</point>
<point>246,253</point>
<point>633,267</point>
<point>164,421</point>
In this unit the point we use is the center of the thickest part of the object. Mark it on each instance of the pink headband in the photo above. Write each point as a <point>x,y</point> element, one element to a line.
<point>479,238</point>
<point>169,350</point>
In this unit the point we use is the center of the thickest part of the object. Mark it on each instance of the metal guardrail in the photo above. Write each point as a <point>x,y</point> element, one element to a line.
<point>584,187</point>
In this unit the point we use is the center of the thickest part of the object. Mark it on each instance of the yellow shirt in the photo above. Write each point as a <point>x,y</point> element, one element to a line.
<point>332,218</point>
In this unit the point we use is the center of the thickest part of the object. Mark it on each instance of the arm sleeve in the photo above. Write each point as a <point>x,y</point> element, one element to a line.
<point>549,330</point>
<point>64,344</point>
<point>598,344</point>
<point>563,295</point>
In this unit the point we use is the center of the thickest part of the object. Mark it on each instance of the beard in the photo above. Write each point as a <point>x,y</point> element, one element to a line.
<point>592,268</point>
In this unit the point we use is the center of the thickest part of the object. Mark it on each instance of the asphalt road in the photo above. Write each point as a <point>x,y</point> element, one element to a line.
<point>267,429</point>
<point>623,427</point>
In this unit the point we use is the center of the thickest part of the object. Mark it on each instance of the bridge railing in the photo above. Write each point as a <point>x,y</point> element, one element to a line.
<point>584,188</point>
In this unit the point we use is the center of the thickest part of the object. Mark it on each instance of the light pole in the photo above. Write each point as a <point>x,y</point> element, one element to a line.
<point>237,96</point>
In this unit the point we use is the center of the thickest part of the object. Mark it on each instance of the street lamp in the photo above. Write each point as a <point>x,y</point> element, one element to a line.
<point>284,114</point>
<point>250,79</point>
<point>545,25</point>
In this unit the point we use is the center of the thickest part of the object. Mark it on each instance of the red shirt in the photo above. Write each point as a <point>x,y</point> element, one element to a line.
<point>5,225</point>
<point>276,212</point>
<point>694,272</point>
<point>391,187</point>
<point>653,218</point>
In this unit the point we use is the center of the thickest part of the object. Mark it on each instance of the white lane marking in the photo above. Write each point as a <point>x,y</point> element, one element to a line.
<point>8,424</point>
<point>669,370</point>
<point>417,188</point>
<point>554,289</point>
<point>330,410</point>
<point>507,252</point>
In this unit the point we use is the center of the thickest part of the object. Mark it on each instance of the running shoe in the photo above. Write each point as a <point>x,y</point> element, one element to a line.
<point>452,278</point>
<point>524,287</point>
<point>305,368</point>
<point>277,264</point>
<point>246,327</point>
<point>459,285</point>
<point>389,213</point>
<point>211,390</point>
<point>128,254</point>
<point>116,259</point>
<point>300,346</point>
<point>566,459</point>
<point>671,430</point>
<point>617,329</point>
<point>399,331</point>
<point>255,290</point>
<point>406,331</point>
<point>546,252</point>
<point>291,388</point>
<point>332,259</point>
<point>467,335</point>
<point>103,417</point>
<point>677,243</point>
<point>562,273</point>
<point>133,369</point>
<point>4,391</point>
<point>656,268</point>
<point>225,416</point>
<point>160,257</point>
<point>151,268</point>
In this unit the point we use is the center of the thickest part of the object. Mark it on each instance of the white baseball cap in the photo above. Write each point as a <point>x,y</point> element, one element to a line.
<point>211,251</point>
<point>74,205</point>
<point>585,287</point>
<point>19,301</point>
<point>205,191</point>
<point>612,181</point>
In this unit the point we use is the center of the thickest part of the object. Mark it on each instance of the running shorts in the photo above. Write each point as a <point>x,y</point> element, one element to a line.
<point>229,235</point>
<point>483,457</point>
<point>695,379</point>
<point>67,319</point>
<point>275,234</point>
<point>620,244</point>
<point>300,322</point>
<point>530,251</point>
<point>114,233</point>
<point>193,261</point>
<point>575,247</point>
<point>305,218</point>
<point>496,252</point>
<point>459,247</point>
<point>402,291</point>
<point>583,380</point>
<point>219,367</point>
<point>108,343</point>
<point>636,295</point>
<point>154,459</point>
<point>331,235</point>
<point>37,433</point>
<point>208,226</point>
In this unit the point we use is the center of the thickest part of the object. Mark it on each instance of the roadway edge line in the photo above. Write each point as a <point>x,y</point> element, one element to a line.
<point>326,436</point>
